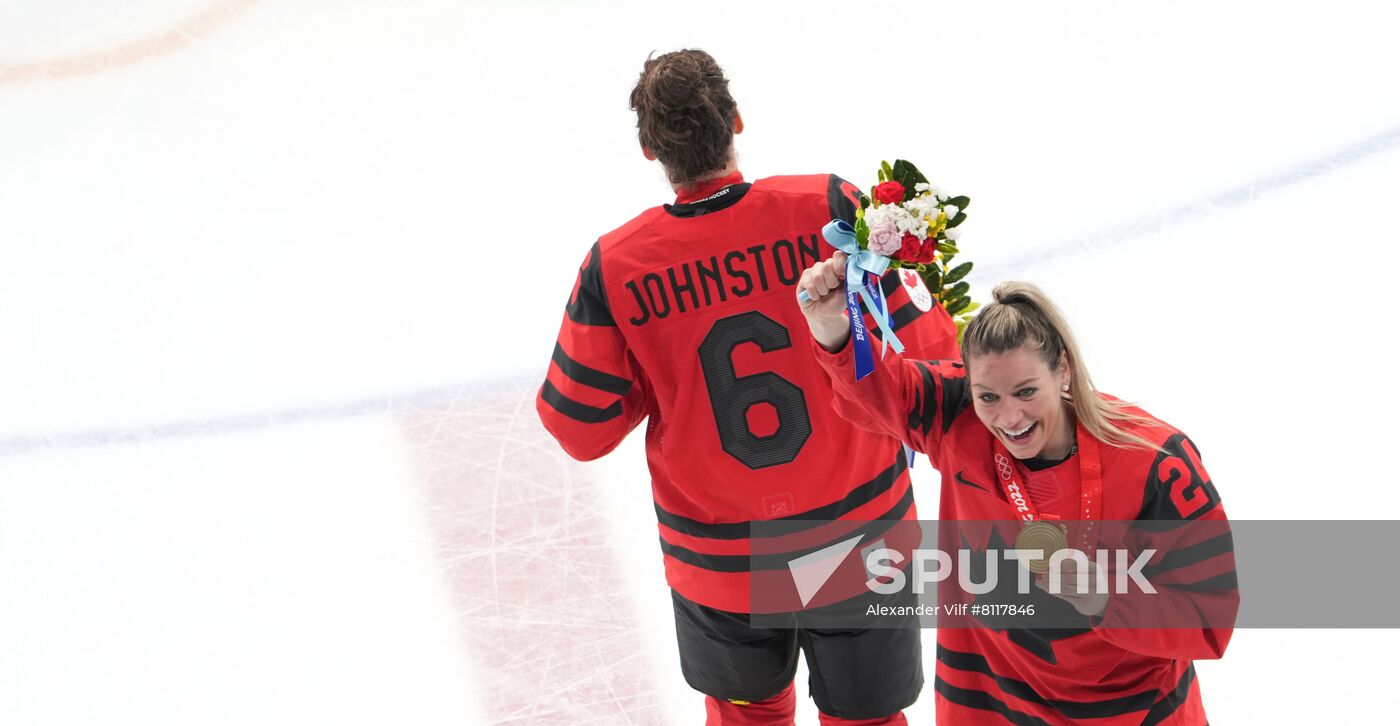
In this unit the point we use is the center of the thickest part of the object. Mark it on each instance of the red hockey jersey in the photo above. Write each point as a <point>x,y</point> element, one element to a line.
<point>687,316</point>
<point>1110,671</point>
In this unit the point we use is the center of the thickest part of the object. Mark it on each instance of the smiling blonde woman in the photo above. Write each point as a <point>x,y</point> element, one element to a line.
<point>1020,434</point>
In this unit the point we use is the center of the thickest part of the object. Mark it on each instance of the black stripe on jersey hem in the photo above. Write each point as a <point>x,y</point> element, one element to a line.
<point>1224,581</point>
<point>779,561</point>
<point>590,305</point>
<point>590,376</point>
<point>984,701</point>
<point>973,663</point>
<point>1172,701</point>
<point>578,411</point>
<point>722,199</point>
<point>857,497</point>
<point>1040,642</point>
<point>1196,553</point>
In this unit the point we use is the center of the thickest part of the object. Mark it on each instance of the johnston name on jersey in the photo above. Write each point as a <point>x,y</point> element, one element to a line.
<point>687,316</point>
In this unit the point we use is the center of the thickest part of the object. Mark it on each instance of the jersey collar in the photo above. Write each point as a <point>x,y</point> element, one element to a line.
<point>709,196</point>
<point>705,188</point>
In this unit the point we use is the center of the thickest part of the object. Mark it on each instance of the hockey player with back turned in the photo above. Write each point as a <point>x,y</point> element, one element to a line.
<point>685,316</point>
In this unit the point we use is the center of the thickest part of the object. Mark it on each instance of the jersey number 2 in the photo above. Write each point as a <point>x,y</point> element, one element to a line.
<point>731,395</point>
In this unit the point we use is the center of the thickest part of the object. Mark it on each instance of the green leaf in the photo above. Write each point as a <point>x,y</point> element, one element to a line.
<point>972,307</point>
<point>907,175</point>
<point>957,273</point>
<point>947,248</point>
<point>886,173</point>
<point>864,202</point>
<point>906,167</point>
<point>960,202</point>
<point>956,306</point>
<point>958,290</point>
<point>934,278</point>
<point>955,221</point>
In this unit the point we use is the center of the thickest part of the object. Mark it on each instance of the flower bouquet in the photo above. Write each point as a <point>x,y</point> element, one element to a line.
<point>906,222</point>
<point>915,224</point>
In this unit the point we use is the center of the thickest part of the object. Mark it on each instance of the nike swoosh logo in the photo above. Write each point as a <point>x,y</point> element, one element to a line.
<point>964,480</point>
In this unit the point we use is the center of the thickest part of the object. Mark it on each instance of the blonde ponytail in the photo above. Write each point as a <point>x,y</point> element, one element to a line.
<point>1022,316</point>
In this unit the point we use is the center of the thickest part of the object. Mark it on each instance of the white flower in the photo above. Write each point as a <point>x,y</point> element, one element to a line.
<point>923,206</point>
<point>875,215</point>
<point>921,187</point>
<point>951,210</point>
<point>894,213</point>
<point>912,224</point>
<point>903,220</point>
<point>952,234</point>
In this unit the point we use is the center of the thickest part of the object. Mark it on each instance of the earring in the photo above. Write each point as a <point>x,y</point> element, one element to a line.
<point>1065,388</point>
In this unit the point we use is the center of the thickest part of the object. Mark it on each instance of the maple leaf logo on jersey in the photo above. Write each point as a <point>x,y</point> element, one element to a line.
<point>918,292</point>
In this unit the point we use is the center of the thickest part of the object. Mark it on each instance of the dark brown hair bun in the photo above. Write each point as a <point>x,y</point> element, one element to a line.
<point>685,114</point>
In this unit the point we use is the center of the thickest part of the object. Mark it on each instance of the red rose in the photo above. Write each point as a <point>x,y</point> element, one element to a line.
<point>927,252</point>
<point>909,248</point>
<point>890,192</point>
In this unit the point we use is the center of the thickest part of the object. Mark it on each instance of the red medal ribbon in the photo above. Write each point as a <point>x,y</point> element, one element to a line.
<point>1090,485</point>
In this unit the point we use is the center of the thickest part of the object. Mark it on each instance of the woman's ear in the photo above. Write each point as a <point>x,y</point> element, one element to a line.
<point>738,122</point>
<point>648,154</point>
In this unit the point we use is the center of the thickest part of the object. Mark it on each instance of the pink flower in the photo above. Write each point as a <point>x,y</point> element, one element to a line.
<point>885,238</point>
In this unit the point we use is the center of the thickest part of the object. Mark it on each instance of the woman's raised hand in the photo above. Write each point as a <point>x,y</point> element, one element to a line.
<point>825,308</point>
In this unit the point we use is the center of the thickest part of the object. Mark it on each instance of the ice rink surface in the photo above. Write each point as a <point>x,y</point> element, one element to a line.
<point>278,280</point>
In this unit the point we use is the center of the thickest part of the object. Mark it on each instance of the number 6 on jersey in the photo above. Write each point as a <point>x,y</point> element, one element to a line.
<point>731,395</point>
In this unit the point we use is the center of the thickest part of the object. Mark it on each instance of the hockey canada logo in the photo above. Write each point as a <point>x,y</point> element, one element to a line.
<point>918,291</point>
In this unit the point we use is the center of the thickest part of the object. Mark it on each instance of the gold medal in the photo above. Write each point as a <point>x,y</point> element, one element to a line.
<point>1043,536</point>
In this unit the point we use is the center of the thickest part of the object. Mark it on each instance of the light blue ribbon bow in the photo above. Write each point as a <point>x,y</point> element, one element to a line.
<point>842,236</point>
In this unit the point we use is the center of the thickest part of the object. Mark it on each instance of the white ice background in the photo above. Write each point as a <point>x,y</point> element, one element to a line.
<point>243,243</point>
